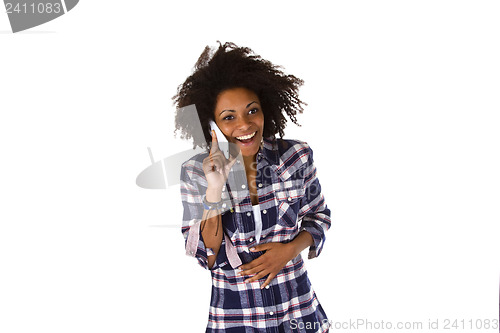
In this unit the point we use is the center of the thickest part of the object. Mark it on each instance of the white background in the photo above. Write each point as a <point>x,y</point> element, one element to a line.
<point>403,117</point>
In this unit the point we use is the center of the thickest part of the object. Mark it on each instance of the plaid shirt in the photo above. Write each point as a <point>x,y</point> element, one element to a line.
<point>290,201</point>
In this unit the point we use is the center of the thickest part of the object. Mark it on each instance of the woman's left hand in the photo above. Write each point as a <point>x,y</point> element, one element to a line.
<point>275,257</point>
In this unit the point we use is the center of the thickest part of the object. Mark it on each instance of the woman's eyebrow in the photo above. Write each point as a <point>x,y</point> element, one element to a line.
<point>248,105</point>
<point>251,103</point>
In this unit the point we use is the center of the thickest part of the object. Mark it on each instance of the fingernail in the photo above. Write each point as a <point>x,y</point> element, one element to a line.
<point>252,249</point>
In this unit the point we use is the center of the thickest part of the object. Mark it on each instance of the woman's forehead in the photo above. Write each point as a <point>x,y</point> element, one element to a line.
<point>236,97</point>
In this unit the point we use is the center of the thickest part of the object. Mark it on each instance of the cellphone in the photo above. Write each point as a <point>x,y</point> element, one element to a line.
<point>223,144</point>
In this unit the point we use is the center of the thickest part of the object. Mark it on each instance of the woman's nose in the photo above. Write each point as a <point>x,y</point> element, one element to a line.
<point>243,123</point>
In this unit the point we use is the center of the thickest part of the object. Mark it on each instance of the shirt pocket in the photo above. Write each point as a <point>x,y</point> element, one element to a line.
<point>288,199</point>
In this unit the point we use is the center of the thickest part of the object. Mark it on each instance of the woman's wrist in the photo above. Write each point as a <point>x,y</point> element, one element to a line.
<point>213,195</point>
<point>301,242</point>
<point>292,249</point>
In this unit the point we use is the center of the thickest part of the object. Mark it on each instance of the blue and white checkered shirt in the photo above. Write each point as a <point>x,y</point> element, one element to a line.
<point>290,201</point>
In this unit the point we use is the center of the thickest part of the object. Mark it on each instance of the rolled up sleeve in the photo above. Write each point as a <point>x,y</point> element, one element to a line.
<point>314,213</point>
<point>193,211</point>
<point>195,247</point>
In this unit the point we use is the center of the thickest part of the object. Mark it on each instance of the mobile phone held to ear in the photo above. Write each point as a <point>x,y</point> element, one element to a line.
<point>223,144</point>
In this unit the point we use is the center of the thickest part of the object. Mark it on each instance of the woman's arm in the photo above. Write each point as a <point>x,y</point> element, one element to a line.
<point>216,168</point>
<point>211,227</point>
<point>302,241</point>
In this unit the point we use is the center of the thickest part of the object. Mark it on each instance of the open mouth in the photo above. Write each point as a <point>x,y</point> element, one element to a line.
<point>246,138</point>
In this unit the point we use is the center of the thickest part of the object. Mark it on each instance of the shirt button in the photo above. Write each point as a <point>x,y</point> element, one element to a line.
<point>289,199</point>
<point>260,185</point>
<point>251,239</point>
<point>243,186</point>
<point>249,214</point>
<point>267,287</point>
<point>264,211</point>
<point>271,313</point>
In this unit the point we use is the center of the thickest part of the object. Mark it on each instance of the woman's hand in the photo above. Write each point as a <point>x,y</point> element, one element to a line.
<point>271,262</point>
<point>216,168</point>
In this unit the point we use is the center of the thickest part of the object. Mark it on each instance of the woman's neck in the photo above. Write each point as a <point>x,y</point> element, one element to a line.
<point>249,162</point>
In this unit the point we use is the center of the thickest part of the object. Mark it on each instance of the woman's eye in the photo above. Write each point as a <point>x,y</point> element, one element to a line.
<point>228,118</point>
<point>253,111</point>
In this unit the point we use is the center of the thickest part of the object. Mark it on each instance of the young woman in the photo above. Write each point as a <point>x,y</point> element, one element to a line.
<point>248,215</point>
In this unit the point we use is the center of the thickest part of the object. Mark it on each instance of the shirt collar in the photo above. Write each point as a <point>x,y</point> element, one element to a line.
<point>269,150</point>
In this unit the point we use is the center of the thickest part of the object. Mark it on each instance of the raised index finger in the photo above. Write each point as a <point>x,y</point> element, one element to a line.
<point>215,143</point>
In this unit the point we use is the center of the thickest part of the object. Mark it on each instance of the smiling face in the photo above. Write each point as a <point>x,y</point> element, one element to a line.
<point>240,118</point>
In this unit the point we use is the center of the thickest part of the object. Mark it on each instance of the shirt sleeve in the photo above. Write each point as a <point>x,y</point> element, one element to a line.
<point>314,212</point>
<point>193,188</point>
<point>192,201</point>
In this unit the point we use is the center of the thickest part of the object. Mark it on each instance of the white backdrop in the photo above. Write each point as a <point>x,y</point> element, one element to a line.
<point>403,117</point>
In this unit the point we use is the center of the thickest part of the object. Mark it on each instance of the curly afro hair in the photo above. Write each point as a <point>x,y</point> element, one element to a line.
<point>229,67</point>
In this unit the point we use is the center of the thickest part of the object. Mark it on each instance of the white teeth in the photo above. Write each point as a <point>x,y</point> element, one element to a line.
<point>246,137</point>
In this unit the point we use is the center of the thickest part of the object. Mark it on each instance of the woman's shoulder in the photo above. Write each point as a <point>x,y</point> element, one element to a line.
<point>293,146</point>
<point>195,161</point>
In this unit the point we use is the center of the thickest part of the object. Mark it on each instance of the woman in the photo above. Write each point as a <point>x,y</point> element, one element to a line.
<point>248,215</point>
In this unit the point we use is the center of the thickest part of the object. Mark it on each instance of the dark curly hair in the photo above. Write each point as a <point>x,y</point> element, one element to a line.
<point>229,67</point>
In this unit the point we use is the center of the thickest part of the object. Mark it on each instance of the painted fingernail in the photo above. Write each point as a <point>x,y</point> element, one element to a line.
<point>252,249</point>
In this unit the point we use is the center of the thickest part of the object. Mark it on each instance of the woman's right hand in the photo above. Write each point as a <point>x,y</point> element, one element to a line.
<point>216,168</point>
